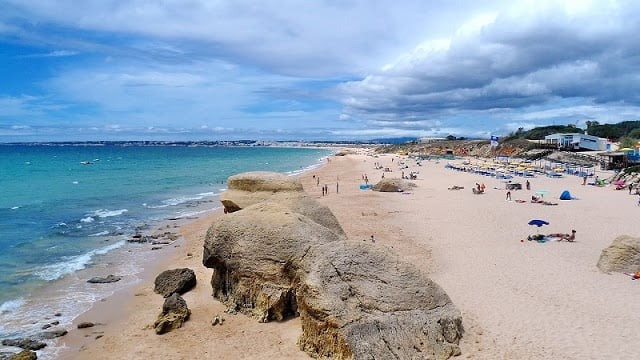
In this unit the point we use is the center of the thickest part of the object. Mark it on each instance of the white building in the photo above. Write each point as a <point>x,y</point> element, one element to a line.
<point>577,141</point>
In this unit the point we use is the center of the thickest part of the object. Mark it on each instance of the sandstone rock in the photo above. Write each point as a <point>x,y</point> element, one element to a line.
<point>623,255</point>
<point>24,355</point>
<point>175,281</point>
<point>254,254</point>
<point>86,324</point>
<point>25,343</point>
<point>254,187</point>
<point>174,313</point>
<point>104,280</point>
<point>357,301</point>
<point>392,185</point>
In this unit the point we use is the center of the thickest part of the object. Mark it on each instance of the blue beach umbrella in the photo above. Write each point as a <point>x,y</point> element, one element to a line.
<point>538,222</point>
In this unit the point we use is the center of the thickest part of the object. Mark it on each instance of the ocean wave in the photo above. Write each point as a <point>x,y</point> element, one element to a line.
<point>15,207</point>
<point>11,305</point>
<point>88,219</point>
<point>181,200</point>
<point>101,233</point>
<point>102,213</point>
<point>73,264</point>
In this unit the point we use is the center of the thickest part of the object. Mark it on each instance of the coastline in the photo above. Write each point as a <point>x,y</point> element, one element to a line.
<point>518,299</point>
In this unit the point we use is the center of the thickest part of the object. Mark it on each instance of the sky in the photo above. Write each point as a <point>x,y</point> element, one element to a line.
<point>312,69</point>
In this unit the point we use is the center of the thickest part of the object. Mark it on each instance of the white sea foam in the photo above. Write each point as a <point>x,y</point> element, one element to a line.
<point>88,219</point>
<point>11,305</point>
<point>181,200</point>
<point>103,213</point>
<point>75,263</point>
<point>101,233</point>
<point>15,208</point>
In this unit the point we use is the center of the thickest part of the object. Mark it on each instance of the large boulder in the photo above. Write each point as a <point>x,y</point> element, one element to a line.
<point>24,355</point>
<point>360,302</point>
<point>174,313</point>
<point>255,254</point>
<point>175,281</point>
<point>249,188</point>
<point>392,185</point>
<point>623,255</point>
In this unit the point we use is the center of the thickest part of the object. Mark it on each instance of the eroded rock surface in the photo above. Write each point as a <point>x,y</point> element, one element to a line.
<point>281,254</point>
<point>174,313</point>
<point>623,255</point>
<point>392,185</point>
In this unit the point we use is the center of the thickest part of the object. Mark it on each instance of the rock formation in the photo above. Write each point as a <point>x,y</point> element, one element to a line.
<point>254,254</point>
<point>250,188</point>
<point>392,185</point>
<point>175,281</point>
<point>24,355</point>
<point>105,280</point>
<point>174,313</point>
<point>281,257</point>
<point>358,301</point>
<point>623,255</point>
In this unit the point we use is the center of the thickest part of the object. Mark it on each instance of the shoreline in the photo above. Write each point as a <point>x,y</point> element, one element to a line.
<point>518,299</point>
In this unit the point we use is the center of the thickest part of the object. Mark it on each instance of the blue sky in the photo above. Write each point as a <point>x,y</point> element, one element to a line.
<point>312,70</point>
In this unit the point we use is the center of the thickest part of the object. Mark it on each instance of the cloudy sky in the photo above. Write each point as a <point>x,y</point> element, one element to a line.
<point>312,69</point>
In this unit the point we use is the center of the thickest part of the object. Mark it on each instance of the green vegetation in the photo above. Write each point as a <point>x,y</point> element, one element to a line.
<point>627,131</point>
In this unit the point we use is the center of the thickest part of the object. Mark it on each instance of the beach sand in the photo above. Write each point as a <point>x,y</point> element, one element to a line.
<point>519,300</point>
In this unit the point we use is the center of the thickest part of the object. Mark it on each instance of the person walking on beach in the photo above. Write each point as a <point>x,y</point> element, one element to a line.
<point>508,195</point>
<point>584,180</point>
<point>528,185</point>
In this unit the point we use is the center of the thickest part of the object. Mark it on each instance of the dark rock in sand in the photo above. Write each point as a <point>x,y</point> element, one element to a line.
<point>52,334</point>
<point>623,255</point>
<point>23,355</point>
<point>174,313</point>
<point>25,343</point>
<point>86,324</point>
<point>104,280</point>
<point>255,254</point>
<point>175,281</point>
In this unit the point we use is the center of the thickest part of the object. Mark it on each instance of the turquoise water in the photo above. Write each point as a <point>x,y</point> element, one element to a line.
<point>65,208</point>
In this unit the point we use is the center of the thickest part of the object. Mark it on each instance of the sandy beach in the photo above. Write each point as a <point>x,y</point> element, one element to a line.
<point>519,299</point>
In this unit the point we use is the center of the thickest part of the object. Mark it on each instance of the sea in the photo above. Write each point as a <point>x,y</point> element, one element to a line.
<point>68,209</point>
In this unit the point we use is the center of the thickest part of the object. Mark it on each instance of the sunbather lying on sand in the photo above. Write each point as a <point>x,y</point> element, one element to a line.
<point>569,237</point>
<point>456,187</point>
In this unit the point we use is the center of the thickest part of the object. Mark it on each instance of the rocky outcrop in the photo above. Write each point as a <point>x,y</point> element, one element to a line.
<point>358,301</point>
<point>105,280</point>
<point>278,258</point>
<point>25,343</point>
<point>392,185</point>
<point>250,188</point>
<point>174,313</point>
<point>24,355</point>
<point>255,253</point>
<point>175,281</point>
<point>623,255</point>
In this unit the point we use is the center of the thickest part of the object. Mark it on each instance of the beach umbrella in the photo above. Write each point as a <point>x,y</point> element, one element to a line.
<point>542,192</point>
<point>538,222</point>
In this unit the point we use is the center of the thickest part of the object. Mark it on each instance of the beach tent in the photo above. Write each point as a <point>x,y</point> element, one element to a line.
<point>566,195</point>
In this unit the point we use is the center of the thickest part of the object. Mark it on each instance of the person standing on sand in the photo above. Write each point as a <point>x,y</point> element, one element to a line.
<point>508,194</point>
<point>528,184</point>
<point>584,180</point>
